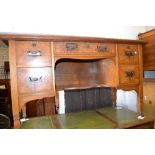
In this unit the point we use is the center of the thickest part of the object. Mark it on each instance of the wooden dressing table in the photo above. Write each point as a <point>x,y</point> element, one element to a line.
<point>41,65</point>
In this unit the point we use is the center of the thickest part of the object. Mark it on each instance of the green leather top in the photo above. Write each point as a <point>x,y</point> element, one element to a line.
<point>84,120</point>
<point>119,115</point>
<point>39,123</point>
<point>100,119</point>
<point>124,118</point>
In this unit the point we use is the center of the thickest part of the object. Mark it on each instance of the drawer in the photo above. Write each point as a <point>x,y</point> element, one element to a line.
<point>33,53</point>
<point>129,74</point>
<point>34,80</point>
<point>128,54</point>
<point>83,48</point>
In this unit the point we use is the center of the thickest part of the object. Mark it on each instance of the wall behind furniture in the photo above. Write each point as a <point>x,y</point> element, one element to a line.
<point>68,17</point>
<point>149,89</point>
<point>148,28</point>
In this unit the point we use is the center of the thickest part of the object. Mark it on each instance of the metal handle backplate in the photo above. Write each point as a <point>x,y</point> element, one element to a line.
<point>130,73</point>
<point>33,79</point>
<point>34,53</point>
<point>71,46</point>
<point>130,53</point>
<point>102,49</point>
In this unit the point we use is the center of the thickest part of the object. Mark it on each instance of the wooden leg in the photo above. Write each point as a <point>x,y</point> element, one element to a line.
<point>114,96</point>
<point>139,91</point>
<point>57,101</point>
<point>16,122</point>
<point>140,101</point>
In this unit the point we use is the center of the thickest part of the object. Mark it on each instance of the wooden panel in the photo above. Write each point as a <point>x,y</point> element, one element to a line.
<point>33,53</point>
<point>76,48</point>
<point>128,54</point>
<point>149,51</point>
<point>85,73</point>
<point>41,107</point>
<point>149,125</point>
<point>33,80</point>
<point>75,73</point>
<point>106,72</point>
<point>129,74</point>
<point>13,79</point>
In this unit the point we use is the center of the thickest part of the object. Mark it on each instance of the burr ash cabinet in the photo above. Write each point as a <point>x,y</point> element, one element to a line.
<point>42,65</point>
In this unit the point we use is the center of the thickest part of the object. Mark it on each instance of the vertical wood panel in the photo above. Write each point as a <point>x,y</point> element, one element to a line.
<point>140,92</point>
<point>87,99</point>
<point>13,79</point>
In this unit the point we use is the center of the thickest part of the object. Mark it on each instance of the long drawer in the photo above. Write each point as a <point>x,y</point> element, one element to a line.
<point>33,53</point>
<point>83,48</point>
<point>34,80</point>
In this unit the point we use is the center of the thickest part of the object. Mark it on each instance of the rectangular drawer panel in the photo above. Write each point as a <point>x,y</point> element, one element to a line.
<point>33,80</point>
<point>83,48</point>
<point>129,74</point>
<point>33,53</point>
<point>128,54</point>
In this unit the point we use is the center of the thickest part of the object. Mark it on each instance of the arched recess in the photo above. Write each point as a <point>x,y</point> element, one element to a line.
<point>85,73</point>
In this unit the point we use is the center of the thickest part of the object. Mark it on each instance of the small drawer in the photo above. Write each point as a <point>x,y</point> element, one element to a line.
<point>34,80</point>
<point>33,53</point>
<point>128,54</point>
<point>84,48</point>
<point>129,74</point>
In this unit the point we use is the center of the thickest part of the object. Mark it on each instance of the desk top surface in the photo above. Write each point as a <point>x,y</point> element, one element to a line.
<point>8,36</point>
<point>105,118</point>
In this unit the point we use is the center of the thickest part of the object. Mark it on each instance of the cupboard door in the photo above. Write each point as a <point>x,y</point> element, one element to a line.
<point>33,53</point>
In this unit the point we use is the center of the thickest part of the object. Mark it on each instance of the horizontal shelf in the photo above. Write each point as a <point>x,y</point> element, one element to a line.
<point>149,79</point>
<point>82,87</point>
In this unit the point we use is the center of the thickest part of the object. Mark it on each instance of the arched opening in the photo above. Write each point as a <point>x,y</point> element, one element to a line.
<point>85,73</point>
<point>87,83</point>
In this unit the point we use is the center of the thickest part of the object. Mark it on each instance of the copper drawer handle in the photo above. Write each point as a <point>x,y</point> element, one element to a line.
<point>102,49</point>
<point>34,53</point>
<point>33,79</point>
<point>71,46</point>
<point>130,74</point>
<point>130,53</point>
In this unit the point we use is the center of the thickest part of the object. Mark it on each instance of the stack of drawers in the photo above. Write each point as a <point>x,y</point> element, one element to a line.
<point>34,70</point>
<point>128,64</point>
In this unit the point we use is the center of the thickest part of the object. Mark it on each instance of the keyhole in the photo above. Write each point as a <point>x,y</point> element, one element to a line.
<point>128,47</point>
<point>34,44</point>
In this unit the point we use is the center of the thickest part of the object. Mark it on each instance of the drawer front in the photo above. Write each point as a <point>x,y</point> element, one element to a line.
<point>129,74</point>
<point>34,80</point>
<point>128,54</point>
<point>76,48</point>
<point>33,53</point>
